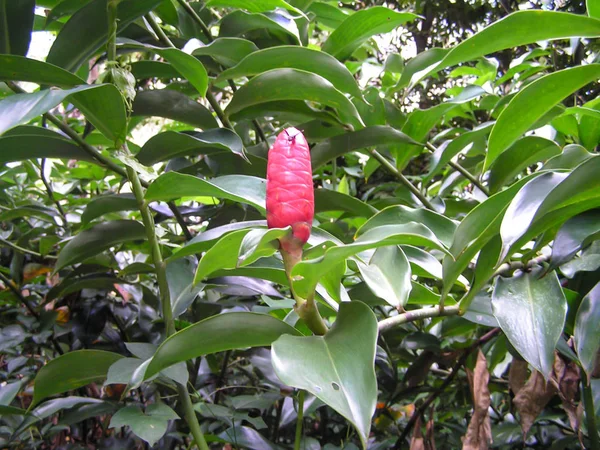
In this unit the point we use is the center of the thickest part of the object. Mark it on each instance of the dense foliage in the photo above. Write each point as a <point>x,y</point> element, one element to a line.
<point>454,255</point>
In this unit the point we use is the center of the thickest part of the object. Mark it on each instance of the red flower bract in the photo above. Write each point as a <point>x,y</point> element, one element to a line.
<point>290,196</point>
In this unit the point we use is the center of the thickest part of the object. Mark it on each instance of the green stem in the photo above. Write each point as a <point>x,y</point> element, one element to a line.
<point>418,314</point>
<point>24,250</point>
<point>111,45</point>
<point>393,170</point>
<point>590,413</point>
<point>190,417</point>
<point>220,113</point>
<point>299,420</point>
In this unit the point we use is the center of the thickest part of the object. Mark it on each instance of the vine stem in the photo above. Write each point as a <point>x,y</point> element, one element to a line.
<point>418,314</point>
<point>299,420</point>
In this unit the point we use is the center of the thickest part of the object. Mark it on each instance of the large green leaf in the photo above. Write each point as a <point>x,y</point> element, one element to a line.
<point>98,238</point>
<point>239,188</point>
<point>23,147</point>
<point>587,332</point>
<point>227,51</point>
<point>293,84</point>
<point>516,29</point>
<point>17,23</point>
<point>102,105</point>
<point>19,68</point>
<point>240,22</point>
<point>294,57</point>
<point>531,311</point>
<point>360,26</point>
<point>64,8</point>
<point>328,15</point>
<point>307,273</point>
<point>105,204</point>
<point>442,227</point>
<point>255,6</point>
<point>388,275</point>
<point>170,144</point>
<point>328,200</point>
<point>339,145</point>
<point>173,105</point>
<point>576,233</point>
<point>593,8</point>
<point>338,368</point>
<point>70,371</point>
<point>219,333</point>
<point>533,101</point>
<point>149,425</point>
<point>518,157</point>
<point>87,31</point>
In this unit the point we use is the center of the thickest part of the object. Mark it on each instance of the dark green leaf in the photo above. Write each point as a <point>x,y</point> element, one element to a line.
<point>19,68</point>
<point>587,333</point>
<point>255,6</point>
<point>23,147</point>
<point>327,200</point>
<point>150,425</point>
<point>531,312</point>
<point>338,368</point>
<point>105,204</point>
<point>64,8</point>
<point>388,275</point>
<point>239,23</point>
<point>575,234</point>
<point>227,51</point>
<point>16,18</point>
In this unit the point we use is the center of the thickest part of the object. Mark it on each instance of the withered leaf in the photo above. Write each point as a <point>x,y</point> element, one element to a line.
<point>517,375</point>
<point>566,374</point>
<point>532,398</point>
<point>479,431</point>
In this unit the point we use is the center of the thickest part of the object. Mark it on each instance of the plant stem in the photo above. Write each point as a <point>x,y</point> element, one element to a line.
<point>464,172</point>
<point>50,191</point>
<point>590,412</point>
<point>393,170</point>
<point>418,314</point>
<point>24,250</point>
<point>190,417</point>
<point>299,420</point>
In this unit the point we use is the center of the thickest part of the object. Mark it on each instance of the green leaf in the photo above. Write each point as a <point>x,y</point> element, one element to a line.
<point>572,155</point>
<point>70,371</point>
<point>173,105</point>
<point>17,23</point>
<point>239,23</point>
<point>222,255</point>
<point>587,333</point>
<point>259,243</point>
<point>307,273</point>
<point>87,31</point>
<point>97,239</point>
<point>19,68</point>
<point>293,84</point>
<point>419,63</point>
<point>337,368</point>
<point>229,331</point>
<point>227,51</point>
<point>518,157</point>
<point>23,147</point>
<point>294,57</point>
<point>576,233</point>
<point>254,6</point>
<point>293,111</point>
<point>239,188</point>
<point>327,200</point>
<point>105,204</point>
<point>388,275</point>
<point>180,274</point>
<point>373,136</point>
<point>533,101</point>
<point>441,226</point>
<point>170,144</point>
<point>150,425</point>
<point>102,105</point>
<point>593,8</point>
<point>64,8</point>
<point>360,26</point>
<point>152,69</point>
<point>330,16</point>
<point>531,312</point>
<point>76,284</point>
<point>514,30</point>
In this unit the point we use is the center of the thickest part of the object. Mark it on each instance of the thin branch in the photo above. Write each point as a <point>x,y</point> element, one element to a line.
<point>24,250</point>
<point>464,172</point>
<point>417,314</point>
<point>508,267</point>
<point>299,420</point>
<point>50,191</point>
<point>394,171</point>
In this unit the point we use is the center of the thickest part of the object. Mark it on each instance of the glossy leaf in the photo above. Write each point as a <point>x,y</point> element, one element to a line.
<point>575,234</point>
<point>87,31</point>
<point>388,275</point>
<point>102,105</point>
<point>255,6</point>
<point>307,273</point>
<point>531,311</point>
<point>70,371</point>
<point>17,22</point>
<point>239,22</point>
<point>337,368</point>
<point>587,333</point>
<point>327,200</point>
<point>518,157</point>
<point>97,239</point>
<point>239,188</point>
<point>19,68</point>
<point>105,204</point>
<point>149,425</point>
<point>64,8</point>
<point>219,333</point>
<point>294,57</point>
<point>228,51</point>
<point>293,84</point>
<point>173,105</point>
<point>169,145</point>
<point>259,243</point>
<point>23,147</point>
<point>360,26</point>
<point>183,292</point>
<point>532,102</point>
<point>373,136</point>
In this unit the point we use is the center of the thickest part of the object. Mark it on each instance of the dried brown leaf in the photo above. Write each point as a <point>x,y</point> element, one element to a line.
<point>532,398</point>
<point>517,375</point>
<point>417,441</point>
<point>567,376</point>
<point>479,431</point>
